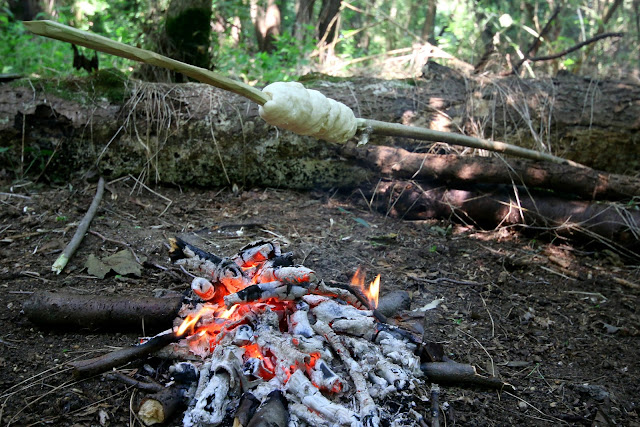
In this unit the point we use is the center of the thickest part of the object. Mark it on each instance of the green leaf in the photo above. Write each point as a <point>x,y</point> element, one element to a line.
<point>362,222</point>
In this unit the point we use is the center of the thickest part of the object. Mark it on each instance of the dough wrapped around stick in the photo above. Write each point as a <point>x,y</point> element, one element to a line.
<point>307,112</point>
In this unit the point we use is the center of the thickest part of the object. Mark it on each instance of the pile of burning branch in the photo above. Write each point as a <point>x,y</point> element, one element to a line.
<point>262,341</point>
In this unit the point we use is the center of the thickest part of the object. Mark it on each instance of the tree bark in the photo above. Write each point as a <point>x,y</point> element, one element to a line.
<point>185,35</point>
<point>304,12</point>
<point>106,312</point>
<point>327,25</point>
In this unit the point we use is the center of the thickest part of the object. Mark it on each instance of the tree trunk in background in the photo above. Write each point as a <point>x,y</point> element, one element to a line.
<point>25,10</point>
<point>328,20</point>
<point>266,21</point>
<point>183,32</point>
<point>429,27</point>
<point>188,30</point>
<point>304,13</point>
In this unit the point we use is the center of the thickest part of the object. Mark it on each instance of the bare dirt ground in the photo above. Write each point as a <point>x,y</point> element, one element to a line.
<point>559,323</point>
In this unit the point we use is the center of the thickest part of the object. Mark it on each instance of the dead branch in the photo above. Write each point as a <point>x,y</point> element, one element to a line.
<point>461,375</point>
<point>63,309</point>
<point>453,169</point>
<point>575,47</point>
<point>68,252</point>
<point>149,386</point>
<point>538,41</point>
<point>96,365</point>
<point>610,224</point>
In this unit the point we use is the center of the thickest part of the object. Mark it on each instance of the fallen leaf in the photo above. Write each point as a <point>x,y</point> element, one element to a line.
<point>122,263</point>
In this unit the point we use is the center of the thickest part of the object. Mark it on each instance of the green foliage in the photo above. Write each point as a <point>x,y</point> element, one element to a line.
<point>284,64</point>
<point>463,28</point>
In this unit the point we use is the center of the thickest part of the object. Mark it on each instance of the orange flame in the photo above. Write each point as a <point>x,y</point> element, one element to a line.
<point>373,292</point>
<point>188,322</point>
<point>227,313</point>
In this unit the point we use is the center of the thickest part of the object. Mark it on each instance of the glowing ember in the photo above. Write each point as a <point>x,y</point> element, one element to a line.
<point>284,329</point>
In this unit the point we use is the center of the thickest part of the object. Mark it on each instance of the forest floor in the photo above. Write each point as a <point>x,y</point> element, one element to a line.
<point>558,322</point>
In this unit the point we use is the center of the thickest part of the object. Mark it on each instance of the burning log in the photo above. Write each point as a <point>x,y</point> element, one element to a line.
<point>63,309</point>
<point>301,387</point>
<point>220,378</point>
<point>96,365</point>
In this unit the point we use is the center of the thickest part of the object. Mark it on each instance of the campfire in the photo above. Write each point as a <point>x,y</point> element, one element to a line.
<point>260,341</point>
<point>265,331</point>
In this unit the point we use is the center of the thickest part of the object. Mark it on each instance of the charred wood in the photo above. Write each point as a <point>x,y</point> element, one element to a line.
<point>452,169</point>
<point>458,374</point>
<point>247,407</point>
<point>146,385</point>
<point>501,206</point>
<point>96,365</point>
<point>63,309</point>
<point>392,303</point>
<point>272,413</point>
<point>157,408</point>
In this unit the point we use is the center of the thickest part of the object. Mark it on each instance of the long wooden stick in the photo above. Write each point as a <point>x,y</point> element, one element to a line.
<point>396,129</point>
<point>93,41</point>
<point>68,34</point>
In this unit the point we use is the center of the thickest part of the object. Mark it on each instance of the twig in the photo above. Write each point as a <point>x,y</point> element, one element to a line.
<point>119,242</point>
<point>15,195</point>
<point>149,386</point>
<point>460,374</point>
<point>68,252</point>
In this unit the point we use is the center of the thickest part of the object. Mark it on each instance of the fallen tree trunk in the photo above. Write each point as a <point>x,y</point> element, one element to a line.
<point>204,136</point>
<point>398,163</point>
<point>501,206</point>
<point>103,312</point>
